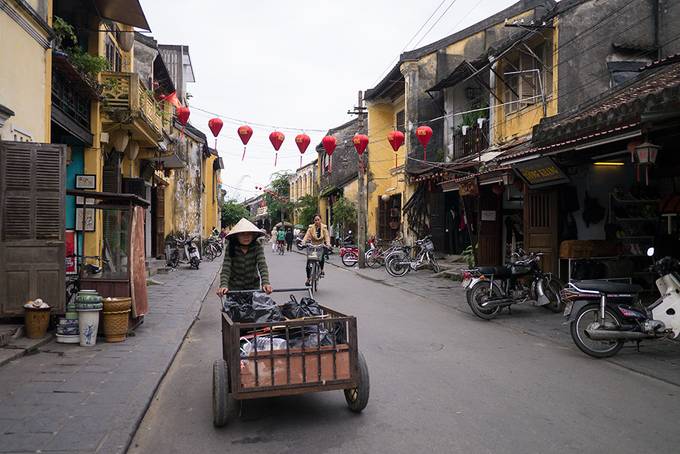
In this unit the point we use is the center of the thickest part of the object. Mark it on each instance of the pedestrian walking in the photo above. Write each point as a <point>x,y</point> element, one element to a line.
<point>289,239</point>
<point>275,234</point>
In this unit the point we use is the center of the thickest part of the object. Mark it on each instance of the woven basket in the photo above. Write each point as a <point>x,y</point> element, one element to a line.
<point>116,325</point>
<point>116,304</point>
<point>36,322</point>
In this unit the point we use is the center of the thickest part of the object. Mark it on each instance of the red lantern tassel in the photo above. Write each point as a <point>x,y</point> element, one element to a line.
<point>300,161</point>
<point>276,158</point>
<point>330,165</point>
<point>395,161</point>
<point>424,154</point>
<point>215,144</point>
<point>244,153</point>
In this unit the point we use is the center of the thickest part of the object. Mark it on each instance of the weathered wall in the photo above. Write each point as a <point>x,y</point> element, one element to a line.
<point>586,47</point>
<point>210,196</point>
<point>669,27</point>
<point>187,188</point>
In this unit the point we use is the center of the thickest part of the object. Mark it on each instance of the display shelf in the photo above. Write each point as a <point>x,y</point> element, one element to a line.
<point>634,201</point>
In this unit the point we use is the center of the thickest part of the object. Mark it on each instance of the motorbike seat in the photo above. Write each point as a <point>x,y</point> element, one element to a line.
<point>496,271</point>
<point>608,287</point>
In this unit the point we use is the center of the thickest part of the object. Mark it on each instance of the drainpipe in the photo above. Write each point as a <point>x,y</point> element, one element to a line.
<point>492,100</point>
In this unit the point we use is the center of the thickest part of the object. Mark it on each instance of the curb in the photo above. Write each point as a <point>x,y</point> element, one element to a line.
<point>161,377</point>
<point>20,352</point>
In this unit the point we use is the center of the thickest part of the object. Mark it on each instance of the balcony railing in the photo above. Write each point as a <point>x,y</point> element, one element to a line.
<point>474,141</point>
<point>124,91</point>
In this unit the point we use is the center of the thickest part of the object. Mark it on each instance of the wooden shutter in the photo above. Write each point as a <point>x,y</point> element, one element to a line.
<point>32,205</point>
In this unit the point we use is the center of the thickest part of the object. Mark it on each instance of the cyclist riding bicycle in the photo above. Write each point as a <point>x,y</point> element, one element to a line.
<point>281,240</point>
<point>317,234</point>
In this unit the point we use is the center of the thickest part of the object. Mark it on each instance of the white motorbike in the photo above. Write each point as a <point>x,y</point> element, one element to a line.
<point>192,256</point>
<point>605,315</point>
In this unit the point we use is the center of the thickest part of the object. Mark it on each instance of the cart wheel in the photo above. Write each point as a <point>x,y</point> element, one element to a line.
<point>357,398</point>
<point>222,401</point>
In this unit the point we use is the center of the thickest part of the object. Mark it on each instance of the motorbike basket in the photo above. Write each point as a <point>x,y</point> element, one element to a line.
<point>428,245</point>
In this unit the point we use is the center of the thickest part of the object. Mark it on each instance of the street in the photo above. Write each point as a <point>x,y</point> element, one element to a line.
<point>441,381</point>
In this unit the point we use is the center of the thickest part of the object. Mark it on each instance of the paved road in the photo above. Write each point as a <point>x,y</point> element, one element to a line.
<point>441,382</point>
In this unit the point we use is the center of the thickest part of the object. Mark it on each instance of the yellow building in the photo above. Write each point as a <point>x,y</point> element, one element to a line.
<point>25,71</point>
<point>404,197</point>
<point>212,164</point>
<point>302,183</point>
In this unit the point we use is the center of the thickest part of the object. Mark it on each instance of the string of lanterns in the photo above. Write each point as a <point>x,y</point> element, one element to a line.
<point>273,194</point>
<point>395,138</point>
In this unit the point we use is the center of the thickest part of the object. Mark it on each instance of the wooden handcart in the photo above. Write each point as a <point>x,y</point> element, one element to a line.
<point>271,371</point>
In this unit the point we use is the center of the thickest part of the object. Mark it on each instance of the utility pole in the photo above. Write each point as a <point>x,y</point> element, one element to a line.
<point>361,111</point>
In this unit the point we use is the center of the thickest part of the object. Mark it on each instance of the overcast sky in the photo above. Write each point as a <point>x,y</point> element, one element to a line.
<point>293,63</point>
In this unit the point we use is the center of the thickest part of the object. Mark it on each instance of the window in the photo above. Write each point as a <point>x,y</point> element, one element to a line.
<point>401,121</point>
<point>526,78</point>
<point>326,163</point>
<point>113,55</point>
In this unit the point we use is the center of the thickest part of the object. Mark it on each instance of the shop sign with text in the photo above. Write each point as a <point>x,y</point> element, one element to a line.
<point>540,172</point>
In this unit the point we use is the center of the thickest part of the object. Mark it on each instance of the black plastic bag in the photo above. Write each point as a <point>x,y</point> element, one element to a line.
<point>306,307</point>
<point>252,307</point>
<point>264,309</point>
<point>311,336</point>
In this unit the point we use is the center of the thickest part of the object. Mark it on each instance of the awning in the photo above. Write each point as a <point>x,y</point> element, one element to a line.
<point>481,178</point>
<point>171,161</point>
<point>218,164</point>
<point>128,12</point>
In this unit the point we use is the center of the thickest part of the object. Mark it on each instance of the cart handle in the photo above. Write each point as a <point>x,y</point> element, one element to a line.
<point>278,290</point>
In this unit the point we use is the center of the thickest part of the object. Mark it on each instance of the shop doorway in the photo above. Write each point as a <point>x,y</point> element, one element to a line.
<point>158,221</point>
<point>540,226</point>
<point>490,228</point>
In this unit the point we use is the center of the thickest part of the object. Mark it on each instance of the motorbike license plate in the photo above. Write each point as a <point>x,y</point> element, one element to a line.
<point>567,308</point>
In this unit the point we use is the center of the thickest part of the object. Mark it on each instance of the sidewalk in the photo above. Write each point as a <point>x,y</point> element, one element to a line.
<point>67,398</point>
<point>658,359</point>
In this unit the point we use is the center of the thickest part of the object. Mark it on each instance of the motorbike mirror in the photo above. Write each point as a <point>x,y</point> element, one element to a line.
<point>650,252</point>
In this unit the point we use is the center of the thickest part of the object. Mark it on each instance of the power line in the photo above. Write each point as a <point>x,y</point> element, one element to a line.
<point>441,16</point>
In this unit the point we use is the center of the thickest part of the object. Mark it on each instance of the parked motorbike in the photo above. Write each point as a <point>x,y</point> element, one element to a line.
<point>349,255</point>
<point>191,254</point>
<point>491,288</point>
<point>605,315</point>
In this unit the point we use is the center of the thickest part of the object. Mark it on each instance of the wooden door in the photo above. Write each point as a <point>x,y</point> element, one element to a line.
<point>540,226</point>
<point>32,204</point>
<point>158,223</point>
<point>490,245</point>
<point>438,221</point>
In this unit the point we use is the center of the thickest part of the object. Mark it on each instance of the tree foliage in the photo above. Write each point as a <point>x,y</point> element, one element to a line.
<point>307,206</point>
<point>280,185</point>
<point>232,212</point>
<point>344,213</point>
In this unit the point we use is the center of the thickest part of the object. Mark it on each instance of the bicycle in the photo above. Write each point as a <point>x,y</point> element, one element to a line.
<point>314,258</point>
<point>280,248</point>
<point>375,257</point>
<point>401,261</point>
<point>84,270</point>
<point>212,249</point>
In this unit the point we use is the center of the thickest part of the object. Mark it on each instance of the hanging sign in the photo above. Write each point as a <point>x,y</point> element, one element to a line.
<point>469,187</point>
<point>540,172</point>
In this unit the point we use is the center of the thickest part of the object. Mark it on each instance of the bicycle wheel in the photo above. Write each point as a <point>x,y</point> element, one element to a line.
<point>374,258</point>
<point>433,263</point>
<point>209,253</point>
<point>349,259</point>
<point>315,277</point>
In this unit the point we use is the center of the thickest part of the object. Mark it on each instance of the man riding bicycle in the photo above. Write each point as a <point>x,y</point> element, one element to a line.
<point>281,240</point>
<point>317,234</point>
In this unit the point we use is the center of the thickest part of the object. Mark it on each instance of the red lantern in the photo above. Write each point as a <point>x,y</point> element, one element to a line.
<point>329,143</point>
<point>183,115</point>
<point>215,125</point>
<point>276,138</point>
<point>360,143</point>
<point>245,132</point>
<point>302,141</point>
<point>396,139</point>
<point>424,133</point>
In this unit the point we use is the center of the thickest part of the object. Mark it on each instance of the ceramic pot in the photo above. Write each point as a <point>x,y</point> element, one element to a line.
<point>88,324</point>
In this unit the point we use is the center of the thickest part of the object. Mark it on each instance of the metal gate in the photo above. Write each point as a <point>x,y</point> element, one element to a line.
<point>32,207</point>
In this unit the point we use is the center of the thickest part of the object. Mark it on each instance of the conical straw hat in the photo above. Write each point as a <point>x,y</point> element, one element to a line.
<point>245,226</point>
